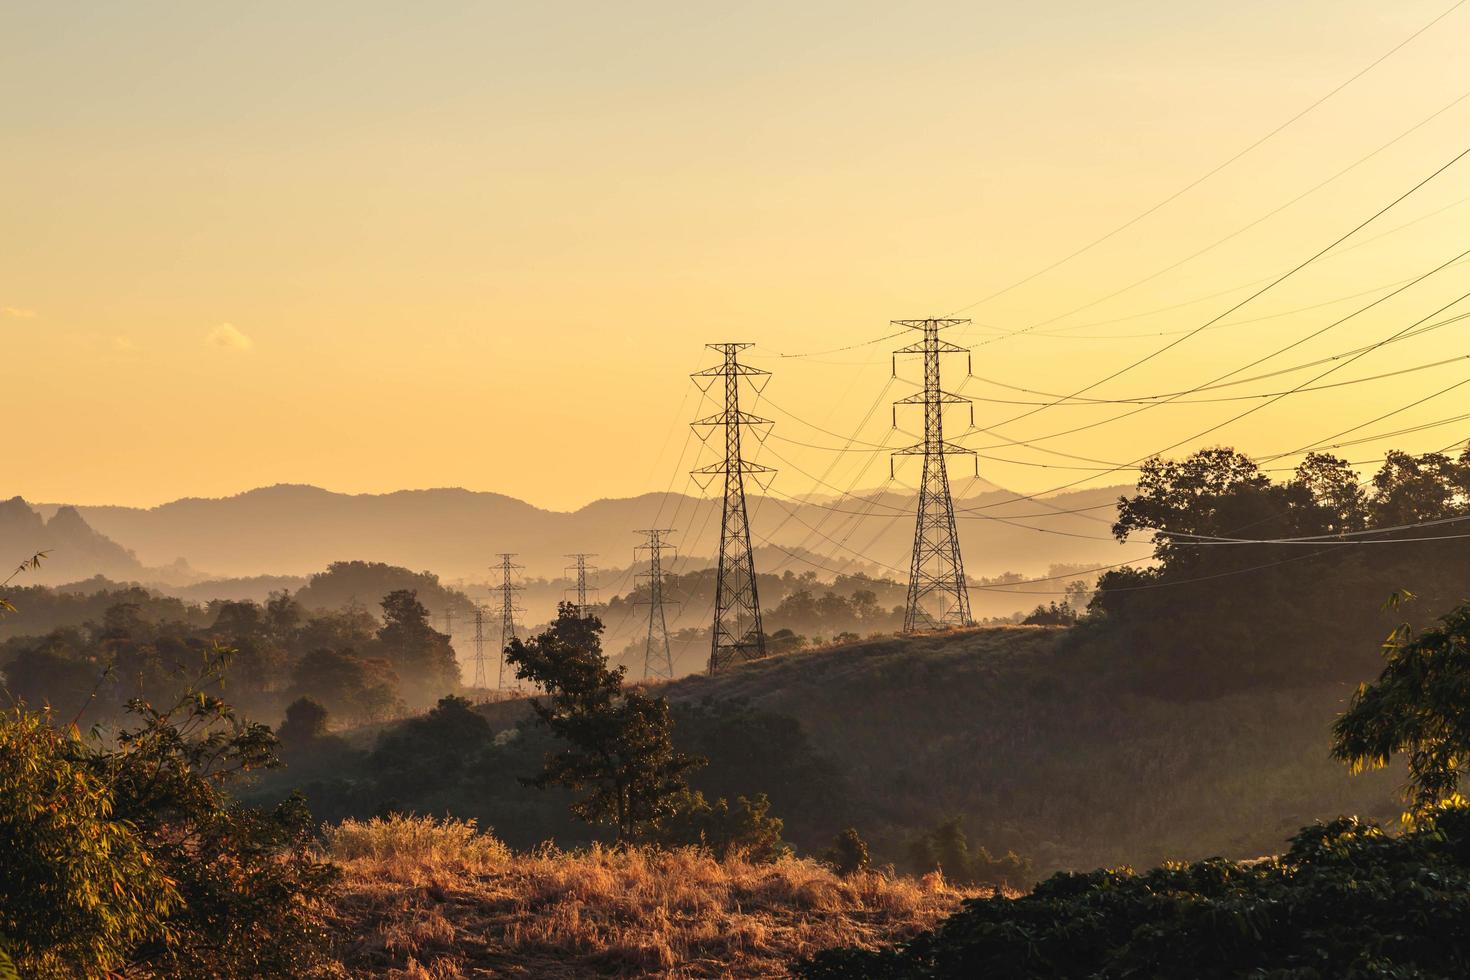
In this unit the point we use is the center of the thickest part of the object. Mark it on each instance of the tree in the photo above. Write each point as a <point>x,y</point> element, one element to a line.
<point>1056,614</point>
<point>306,720</point>
<point>421,654</point>
<point>345,683</point>
<point>619,743</point>
<point>1418,708</point>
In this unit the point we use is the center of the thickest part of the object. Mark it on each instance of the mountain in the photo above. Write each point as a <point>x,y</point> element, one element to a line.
<point>74,549</point>
<point>297,530</point>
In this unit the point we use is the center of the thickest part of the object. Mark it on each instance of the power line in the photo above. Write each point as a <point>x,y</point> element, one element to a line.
<point>1215,170</point>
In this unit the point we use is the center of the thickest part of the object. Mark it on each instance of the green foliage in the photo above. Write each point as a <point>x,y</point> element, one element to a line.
<point>79,889</point>
<point>1417,708</point>
<point>1346,901</point>
<point>132,850</point>
<point>848,854</point>
<point>245,875</point>
<point>746,827</point>
<point>619,744</point>
<point>947,850</point>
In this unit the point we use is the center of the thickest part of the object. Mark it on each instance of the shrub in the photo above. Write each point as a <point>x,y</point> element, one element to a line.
<point>78,890</point>
<point>246,875</point>
<point>1347,900</point>
<point>747,827</point>
<point>848,854</point>
<point>946,849</point>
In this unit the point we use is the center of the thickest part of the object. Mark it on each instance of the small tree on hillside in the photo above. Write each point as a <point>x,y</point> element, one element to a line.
<point>620,743</point>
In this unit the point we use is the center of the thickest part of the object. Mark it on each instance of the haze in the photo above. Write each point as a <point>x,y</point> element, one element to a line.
<point>371,246</point>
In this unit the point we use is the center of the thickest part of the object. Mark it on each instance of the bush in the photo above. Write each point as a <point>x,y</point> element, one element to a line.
<point>848,854</point>
<point>1346,900</point>
<point>946,849</point>
<point>131,852</point>
<point>246,875</point>
<point>78,891</point>
<point>746,827</point>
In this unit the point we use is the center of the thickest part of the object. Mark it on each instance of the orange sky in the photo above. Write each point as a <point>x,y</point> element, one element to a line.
<point>373,246</point>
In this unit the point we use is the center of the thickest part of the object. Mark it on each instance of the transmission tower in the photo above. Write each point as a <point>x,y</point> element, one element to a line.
<point>508,610</point>
<point>938,594</point>
<point>658,661</point>
<point>580,570</point>
<point>481,681</point>
<point>736,634</point>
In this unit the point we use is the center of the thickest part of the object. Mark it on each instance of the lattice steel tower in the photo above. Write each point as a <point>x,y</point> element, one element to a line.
<point>579,571</point>
<point>481,680</point>
<point>508,610</point>
<point>938,594</point>
<point>736,634</point>
<point>658,661</point>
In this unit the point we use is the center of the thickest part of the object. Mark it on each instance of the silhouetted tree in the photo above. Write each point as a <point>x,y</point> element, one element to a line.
<point>421,654</point>
<point>620,748</point>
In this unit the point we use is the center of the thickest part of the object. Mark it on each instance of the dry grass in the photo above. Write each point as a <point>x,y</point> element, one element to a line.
<point>426,899</point>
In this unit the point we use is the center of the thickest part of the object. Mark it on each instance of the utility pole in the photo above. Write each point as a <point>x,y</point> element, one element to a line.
<point>508,609</point>
<point>481,681</point>
<point>581,568</point>
<point>936,572</point>
<point>449,621</point>
<point>736,634</point>
<point>658,661</point>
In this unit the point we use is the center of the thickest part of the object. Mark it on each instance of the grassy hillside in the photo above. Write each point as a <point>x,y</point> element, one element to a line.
<point>1018,732</point>
<point>421,899</point>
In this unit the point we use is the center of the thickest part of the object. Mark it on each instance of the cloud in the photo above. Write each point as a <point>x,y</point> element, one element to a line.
<point>17,313</point>
<point>227,336</point>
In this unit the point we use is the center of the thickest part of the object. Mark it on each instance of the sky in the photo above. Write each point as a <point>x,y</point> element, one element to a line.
<point>375,246</point>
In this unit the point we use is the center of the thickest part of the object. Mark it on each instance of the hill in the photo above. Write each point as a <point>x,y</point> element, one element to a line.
<point>296,530</point>
<point>1020,732</point>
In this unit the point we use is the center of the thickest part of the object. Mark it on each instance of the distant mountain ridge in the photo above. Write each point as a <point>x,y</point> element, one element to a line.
<point>74,549</point>
<point>295,529</point>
